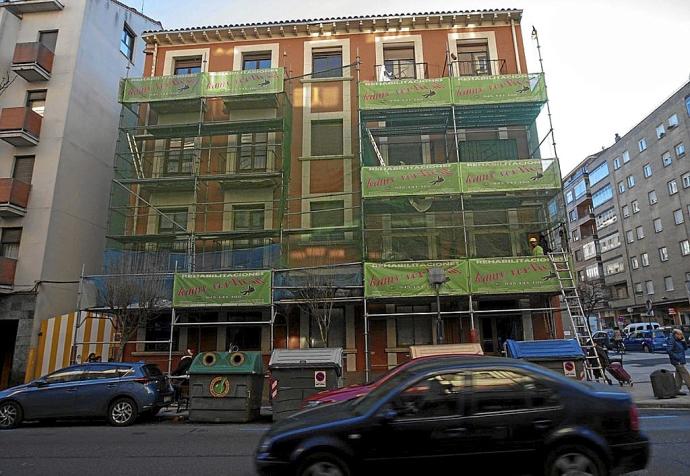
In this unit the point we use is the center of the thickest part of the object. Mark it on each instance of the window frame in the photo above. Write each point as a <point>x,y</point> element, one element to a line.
<point>672,186</point>
<point>131,37</point>
<point>326,52</point>
<point>642,144</point>
<point>647,170</point>
<point>184,65</point>
<point>658,225</point>
<point>334,122</point>
<point>666,159</point>
<point>679,149</point>
<point>259,58</point>
<point>639,232</point>
<point>652,201</point>
<point>675,216</point>
<point>663,254</point>
<point>172,212</point>
<point>668,288</point>
<point>644,259</point>
<point>684,247</point>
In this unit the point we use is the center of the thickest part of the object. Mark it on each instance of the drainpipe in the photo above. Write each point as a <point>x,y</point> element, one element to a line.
<point>515,46</point>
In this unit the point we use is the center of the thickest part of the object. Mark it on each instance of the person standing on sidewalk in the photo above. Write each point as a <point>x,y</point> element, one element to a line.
<point>676,348</point>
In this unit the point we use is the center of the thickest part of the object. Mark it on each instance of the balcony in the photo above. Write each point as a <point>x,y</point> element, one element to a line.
<point>19,7</point>
<point>479,67</point>
<point>20,126</point>
<point>401,69</point>
<point>32,61</point>
<point>8,266</point>
<point>14,197</point>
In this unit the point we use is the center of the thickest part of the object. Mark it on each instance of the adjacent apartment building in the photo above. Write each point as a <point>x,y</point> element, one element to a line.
<point>60,63</point>
<point>628,215</point>
<point>288,172</point>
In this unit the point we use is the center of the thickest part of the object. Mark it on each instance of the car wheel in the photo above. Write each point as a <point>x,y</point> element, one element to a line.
<point>122,412</point>
<point>574,460</point>
<point>11,415</point>
<point>323,464</point>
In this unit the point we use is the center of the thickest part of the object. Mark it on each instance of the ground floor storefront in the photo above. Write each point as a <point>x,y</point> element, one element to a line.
<point>16,320</point>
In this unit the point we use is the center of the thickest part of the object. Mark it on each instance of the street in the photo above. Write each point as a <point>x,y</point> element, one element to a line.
<point>183,448</point>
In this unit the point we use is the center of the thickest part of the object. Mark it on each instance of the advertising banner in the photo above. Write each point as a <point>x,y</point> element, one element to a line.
<point>510,175</point>
<point>501,89</point>
<point>239,288</point>
<point>406,93</point>
<point>404,180</point>
<point>408,279</point>
<point>241,83</point>
<point>512,275</point>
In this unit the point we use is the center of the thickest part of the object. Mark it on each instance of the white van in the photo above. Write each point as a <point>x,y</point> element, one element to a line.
<point>641,326</point>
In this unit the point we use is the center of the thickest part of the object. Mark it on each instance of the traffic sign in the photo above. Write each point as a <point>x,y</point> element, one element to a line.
<point>319,378</point>
<point>569,368</point>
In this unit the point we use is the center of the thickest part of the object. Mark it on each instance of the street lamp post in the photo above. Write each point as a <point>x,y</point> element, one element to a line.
<point>437,276</point>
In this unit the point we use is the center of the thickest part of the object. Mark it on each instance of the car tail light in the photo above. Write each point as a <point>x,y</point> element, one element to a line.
<point>143,380</point>
<point>634,418</point>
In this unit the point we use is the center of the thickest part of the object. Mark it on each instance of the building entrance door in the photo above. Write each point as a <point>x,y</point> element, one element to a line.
<point>495,330</point>
<point>8,336</point>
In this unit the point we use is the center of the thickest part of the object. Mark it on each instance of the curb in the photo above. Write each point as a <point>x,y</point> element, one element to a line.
<point>664,406</point>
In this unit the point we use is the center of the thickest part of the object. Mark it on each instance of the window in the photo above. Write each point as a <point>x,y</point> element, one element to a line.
<point>48,39</point>
<point>599,173</point>
<point>601,196</point>
<point>327,63</point>
<point>678,217</point>
<point>248,337</point>
<point>336,331</point>
<point>672,121</point>
<point>647,170</point>
<point>435,397</point>
<point>256,60</point>
<point>621,187</point>
<point>634,263</point>
<point>498,391</point>
<point>631,181</point>
<point>592,272</point>
<point>635,206</point>
<point>687,105</point>
<point>249,217</point>
<point>174,221</point>
<point>327,215</point>
<point>578,255</point>
<point>473,57</point>
<point>668,283</point>
<point>650,287</point>
<point>629,237</point>
<point>658,227</point>
<point>642,144</point>
<point>159,329</point>
<point>626,157</point>
<point>652,197</point>
<point>36,100</point>
<point>101,371</point>
<point>613,267</point>
<point>639,231</point>
<point>191,65</point>
<point>23,168</point>
<point>413,330</point>
<point>644,257</point>
<point>589,250</point>
<point>686,179</point>
<point>580,189</point>
<point>326,138</point>
<point>680,150</point>
<point>127,42</point>
<point>672,186</point>
<point>610,242</point>
<point>663,253</point>
<point>575,235</point>
<point>606,218</point>
<point>572,214</point>
<point>569,196</point>
<point>399,61</point>
<point>666,159</point>
<point>9,242</point>
<point>685,247</point>
<point>660,131</point>
<point>70,374</point>
<point>253,151</point>
<point>616,163</point>
<point>638,288</point>
<point>626,211</point>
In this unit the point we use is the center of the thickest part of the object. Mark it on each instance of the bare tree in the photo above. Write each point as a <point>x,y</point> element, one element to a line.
<point>5,81</point>
<point>317,295</point>
<point>593,296</point>
<point>135,293</point>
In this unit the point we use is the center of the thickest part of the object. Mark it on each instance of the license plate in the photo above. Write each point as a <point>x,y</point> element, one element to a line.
<point>167,399</point>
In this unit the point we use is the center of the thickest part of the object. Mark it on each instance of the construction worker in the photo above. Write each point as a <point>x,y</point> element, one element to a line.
<point>537,250</point>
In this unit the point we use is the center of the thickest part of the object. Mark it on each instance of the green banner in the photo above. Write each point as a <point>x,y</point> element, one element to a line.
<point>427,179</point>
<point>238,288</point>
<point>511,175</point>
<point>194,86</point>
<point>408,279</point>
<point>407,93</point>
<point>499,89</point>
<point>512,275</point>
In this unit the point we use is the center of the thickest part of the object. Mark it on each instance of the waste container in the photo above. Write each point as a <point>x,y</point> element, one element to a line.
<point>299,373</point>
<point>225,387</point>
<point>445,349</point>
<point>564,356</point>
<point>663,383</point>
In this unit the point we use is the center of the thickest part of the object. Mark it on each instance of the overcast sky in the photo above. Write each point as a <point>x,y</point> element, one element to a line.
<point>609,63</point>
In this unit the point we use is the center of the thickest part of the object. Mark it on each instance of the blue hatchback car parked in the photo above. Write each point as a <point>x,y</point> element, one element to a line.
<point>646,341</point>
<point>118,391</point>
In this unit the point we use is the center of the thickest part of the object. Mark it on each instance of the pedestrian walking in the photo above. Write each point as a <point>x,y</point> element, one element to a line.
<point>676,347</point>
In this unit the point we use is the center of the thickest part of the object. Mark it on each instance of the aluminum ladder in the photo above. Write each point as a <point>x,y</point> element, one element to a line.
<point>561,271</point>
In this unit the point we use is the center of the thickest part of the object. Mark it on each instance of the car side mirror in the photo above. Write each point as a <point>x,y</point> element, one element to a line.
<point>39,383</point>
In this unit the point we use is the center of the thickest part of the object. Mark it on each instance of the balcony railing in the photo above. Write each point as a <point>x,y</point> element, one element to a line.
<point>14,197</point>
<point>401,69</point>
<point>483,67</point>
<point>20,126</point>
<point>33,61</point>
<point>8,267</point>
<point>19,7</point>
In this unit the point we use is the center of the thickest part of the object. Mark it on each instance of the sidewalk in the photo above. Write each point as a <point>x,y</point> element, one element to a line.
<point>640,366</point>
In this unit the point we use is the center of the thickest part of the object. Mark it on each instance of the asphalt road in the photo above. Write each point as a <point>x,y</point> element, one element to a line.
<point>182,448</point>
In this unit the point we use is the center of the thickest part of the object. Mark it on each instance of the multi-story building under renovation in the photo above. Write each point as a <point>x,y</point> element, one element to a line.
<point>301,173</point>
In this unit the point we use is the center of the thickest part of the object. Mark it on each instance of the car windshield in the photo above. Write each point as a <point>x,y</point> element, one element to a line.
<point>659,334</point>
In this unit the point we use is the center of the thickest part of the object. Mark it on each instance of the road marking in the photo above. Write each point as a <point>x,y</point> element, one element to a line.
<point>656,417</point>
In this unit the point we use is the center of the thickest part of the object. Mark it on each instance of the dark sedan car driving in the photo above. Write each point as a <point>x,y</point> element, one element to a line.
<point>464,413</point>
<point>117,391</point>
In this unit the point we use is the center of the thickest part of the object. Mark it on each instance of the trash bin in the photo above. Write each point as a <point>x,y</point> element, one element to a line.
<point>564,356</point>
<point>445,349</point>
<point>299,373</point>
<point>225,387</point>
<point>663,383</point>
